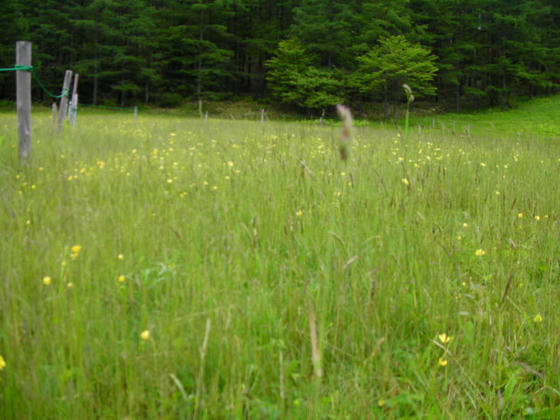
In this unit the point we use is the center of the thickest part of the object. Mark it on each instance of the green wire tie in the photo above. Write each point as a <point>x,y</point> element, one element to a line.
<point>30,69</point>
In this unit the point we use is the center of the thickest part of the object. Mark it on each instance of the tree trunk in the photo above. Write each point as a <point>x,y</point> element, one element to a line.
<point>95,86</point>
<point>458,98</point>
<point>199,75</point>
<point>505,93</point>
<point>386,104</point>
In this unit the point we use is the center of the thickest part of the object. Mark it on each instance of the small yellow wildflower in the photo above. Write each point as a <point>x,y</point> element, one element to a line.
<point>299,213</point>
<point>120,257</point>
<point>538,318</point>
<point>465,225</point>
<point>230,163</point>
<point>70,285</point>
<point>442,362</point>
<point>520,215</point>
<point>406,181</point>
<point>121,279</point>
<point>480,252</point>
<point>2,362</point>
<point>444,338</point>
<point>381,402</point>
<point>537,218</point>
<point>47,280</point>
<point>145,335</point>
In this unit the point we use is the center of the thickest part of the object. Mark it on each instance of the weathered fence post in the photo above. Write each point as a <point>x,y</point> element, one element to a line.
<point>262,115</point>
<point>54,109</point>
<point>64,99</point>
<point>23,99</point>
<point>74,109</point>
<point>135,114</point>
<point>206,117</point>
<point>74,103</point>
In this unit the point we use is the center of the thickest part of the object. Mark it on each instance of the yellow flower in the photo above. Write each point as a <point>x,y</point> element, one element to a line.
<point>381,402</point>
<point>444,338</point>
<point>520,215</point>
<point>145,335</point>
<point>537,218</point>
<point>538,318</point>
<point>299,213</point>
<point>2,362</point>
<point>406,181</point>
<point>70,285</point>
<point>230,163</point>
<point>120,257</point>
<point>121,279</point>
<point>442,362</point>
<point>47,280</point>
<point>480,252</point>
<point>75,251</point>
<point>465,225</point>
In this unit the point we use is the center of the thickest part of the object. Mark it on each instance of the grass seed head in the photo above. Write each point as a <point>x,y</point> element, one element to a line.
<point>347,128</point>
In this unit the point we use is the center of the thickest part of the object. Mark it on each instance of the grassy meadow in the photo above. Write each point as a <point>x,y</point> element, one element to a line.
<point>177,269</point>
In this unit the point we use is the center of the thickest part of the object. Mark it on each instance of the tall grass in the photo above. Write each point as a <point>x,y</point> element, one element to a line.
<point>269,285</point>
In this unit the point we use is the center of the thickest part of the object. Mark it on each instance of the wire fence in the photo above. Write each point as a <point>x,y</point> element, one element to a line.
<point>34,74</point>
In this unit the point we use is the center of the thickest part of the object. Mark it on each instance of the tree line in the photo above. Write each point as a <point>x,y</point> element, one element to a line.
<point>307,54</point>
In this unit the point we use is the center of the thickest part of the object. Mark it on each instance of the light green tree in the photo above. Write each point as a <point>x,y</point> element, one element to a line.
<point>389,65</point>
<point>296,81</point>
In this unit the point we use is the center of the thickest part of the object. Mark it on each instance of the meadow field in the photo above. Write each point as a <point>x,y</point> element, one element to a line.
<point>177,269</point>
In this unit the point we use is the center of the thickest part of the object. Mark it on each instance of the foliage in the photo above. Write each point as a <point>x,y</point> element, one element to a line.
<point>392,63</point>
<point>129,52</point>
<point>295,80</point>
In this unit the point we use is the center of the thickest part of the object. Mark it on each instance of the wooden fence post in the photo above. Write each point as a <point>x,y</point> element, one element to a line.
<point>23,99</point>
<point>54,109</point>
<point>74,108</point>
<point>136,114</point>
<point>262,115</point>
<point>64,99</point>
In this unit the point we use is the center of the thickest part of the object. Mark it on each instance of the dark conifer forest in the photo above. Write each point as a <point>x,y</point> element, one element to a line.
<point>306,54</point>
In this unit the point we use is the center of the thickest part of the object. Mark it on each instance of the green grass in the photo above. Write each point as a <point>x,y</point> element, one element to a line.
<point>536,118</point>
<point>236,235</point>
